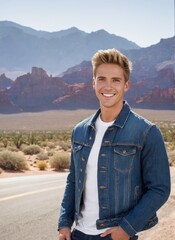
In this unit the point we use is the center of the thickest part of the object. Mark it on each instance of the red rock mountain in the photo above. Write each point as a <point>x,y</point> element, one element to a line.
<point>152,84</point>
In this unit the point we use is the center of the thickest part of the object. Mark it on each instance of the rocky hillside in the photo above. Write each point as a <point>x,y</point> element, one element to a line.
<point>152,84</point>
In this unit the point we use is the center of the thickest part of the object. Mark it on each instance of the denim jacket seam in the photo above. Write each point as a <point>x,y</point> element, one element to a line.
<point>146,134</point>
<point>129,224</point>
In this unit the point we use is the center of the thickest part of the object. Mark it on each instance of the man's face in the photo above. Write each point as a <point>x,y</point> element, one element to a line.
<point>110,86</point>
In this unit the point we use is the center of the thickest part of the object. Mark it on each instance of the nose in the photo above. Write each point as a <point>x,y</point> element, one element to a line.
<point>108,84</point>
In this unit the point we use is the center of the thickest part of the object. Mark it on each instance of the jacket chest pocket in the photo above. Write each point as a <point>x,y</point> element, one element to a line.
<point>123,158</point>
<point>77,153</point>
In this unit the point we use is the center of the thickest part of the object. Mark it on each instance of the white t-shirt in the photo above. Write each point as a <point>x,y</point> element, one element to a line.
<point>90,210</point>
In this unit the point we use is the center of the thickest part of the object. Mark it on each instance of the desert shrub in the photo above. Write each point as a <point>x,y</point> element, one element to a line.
<point>18,139</point>
<point>172,164</point>
<point>12,161</point>
<point>50,153</point>
<point>32,149</point>
<point>63,135</point>
<point>43,144</point>
<point>5,142</point>
<point>42,156</point>
<point>51,144</point>
<point>60,161</point>
<point>42,165</point>
<point>33,138</point>
<point>64,145</point>
<point>168,132</point>
<point>13,149</point>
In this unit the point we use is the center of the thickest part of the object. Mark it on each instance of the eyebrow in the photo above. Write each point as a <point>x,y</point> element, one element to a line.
<point>118,78</point>
<point>103,77</point>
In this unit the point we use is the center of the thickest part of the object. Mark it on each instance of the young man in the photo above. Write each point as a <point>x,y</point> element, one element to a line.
<point>119,172</point>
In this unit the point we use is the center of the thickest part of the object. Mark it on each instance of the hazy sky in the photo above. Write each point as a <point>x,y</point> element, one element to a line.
<point>143,21</point>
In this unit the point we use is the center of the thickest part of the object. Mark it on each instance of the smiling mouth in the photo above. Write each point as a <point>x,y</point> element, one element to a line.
<point>108,94</point>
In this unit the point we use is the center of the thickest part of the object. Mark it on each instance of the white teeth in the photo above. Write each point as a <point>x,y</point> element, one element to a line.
<point>108,94</point>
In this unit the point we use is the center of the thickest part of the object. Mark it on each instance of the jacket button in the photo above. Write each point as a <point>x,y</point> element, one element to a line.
<point>102,225</point>
<point>103,154</point>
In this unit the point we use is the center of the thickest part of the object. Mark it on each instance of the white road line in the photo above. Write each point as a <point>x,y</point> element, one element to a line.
<point>28,193</point>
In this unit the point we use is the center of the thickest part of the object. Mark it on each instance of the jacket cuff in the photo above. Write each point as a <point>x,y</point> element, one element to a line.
<point>62,224</point>
<point>125,225</point>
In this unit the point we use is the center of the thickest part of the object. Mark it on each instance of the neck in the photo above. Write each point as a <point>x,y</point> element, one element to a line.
<point>109,115</point>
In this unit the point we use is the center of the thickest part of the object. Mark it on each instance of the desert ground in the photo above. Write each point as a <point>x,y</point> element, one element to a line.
<point>60,120</point>
<point>65,119</point>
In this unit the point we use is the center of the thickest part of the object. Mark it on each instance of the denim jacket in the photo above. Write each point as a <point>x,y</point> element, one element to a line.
<point>133,173</point>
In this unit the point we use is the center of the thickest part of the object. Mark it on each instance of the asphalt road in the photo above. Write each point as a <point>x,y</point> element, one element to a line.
<point>29,206</point>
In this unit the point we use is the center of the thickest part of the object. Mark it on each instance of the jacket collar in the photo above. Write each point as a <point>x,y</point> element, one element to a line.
<point>120,120</point>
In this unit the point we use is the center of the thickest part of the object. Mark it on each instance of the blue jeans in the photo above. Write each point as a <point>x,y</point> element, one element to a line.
<point>77,235</point>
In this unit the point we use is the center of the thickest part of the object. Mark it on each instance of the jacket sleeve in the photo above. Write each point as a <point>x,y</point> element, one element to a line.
<point>156,180</point>
<point>67,209</point>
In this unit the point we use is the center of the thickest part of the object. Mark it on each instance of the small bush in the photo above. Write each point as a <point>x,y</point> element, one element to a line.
<point>51,145</point>
<point>42,165</point>
<point>12,149</point>
<point>33,138</point>
<point>32,149</point>
<point>42,156</point>
<point>18,139</point>
<point>60,161</point>
<point>12,161</point>
<point>43,144</point>
<point>50,153</point>
<point>64,145</point>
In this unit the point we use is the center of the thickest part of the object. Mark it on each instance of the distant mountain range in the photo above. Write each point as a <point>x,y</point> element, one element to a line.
<point>152,79</point>
<point>22,47</point>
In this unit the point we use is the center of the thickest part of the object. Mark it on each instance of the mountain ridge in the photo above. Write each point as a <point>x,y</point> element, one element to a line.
<point>152,78</point>
<point>22,47</point>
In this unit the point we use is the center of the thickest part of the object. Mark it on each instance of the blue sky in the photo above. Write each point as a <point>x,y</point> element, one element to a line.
<point>144,22</point>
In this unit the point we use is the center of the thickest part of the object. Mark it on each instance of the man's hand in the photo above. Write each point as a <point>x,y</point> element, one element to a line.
<point>116,233</point>
<point>65,234</point>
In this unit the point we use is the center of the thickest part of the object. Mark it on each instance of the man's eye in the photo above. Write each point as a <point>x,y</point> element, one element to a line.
<point>116,80</point>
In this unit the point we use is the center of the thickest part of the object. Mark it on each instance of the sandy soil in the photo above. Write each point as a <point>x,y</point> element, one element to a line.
<point>63,119</point>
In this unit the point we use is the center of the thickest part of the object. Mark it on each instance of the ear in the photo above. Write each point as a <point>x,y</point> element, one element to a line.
<point>127,86</point>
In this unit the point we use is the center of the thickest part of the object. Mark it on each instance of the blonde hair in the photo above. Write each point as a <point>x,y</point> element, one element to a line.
<point>112,56</point>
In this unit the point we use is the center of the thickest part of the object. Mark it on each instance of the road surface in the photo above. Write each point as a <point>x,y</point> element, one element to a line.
<point>29,206</point>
